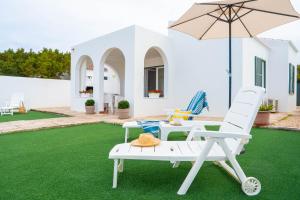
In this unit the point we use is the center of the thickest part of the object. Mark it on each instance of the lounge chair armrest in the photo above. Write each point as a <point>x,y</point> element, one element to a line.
<point>217,134</point>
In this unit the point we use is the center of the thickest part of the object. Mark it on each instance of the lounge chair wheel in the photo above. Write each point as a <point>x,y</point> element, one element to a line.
<point>251,186</point>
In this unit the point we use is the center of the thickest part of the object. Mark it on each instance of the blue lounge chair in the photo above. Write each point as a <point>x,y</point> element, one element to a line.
<point>196,106</point>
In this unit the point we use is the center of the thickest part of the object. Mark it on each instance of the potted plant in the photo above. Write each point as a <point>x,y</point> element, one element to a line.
<point>90,106</point>
<point>153,93</point>
<point>123,109</point>
<point>263,115</point>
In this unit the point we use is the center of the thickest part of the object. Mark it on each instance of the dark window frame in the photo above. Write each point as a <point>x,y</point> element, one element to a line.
<point>156,69</point>
<point>291,79</point>
<point>264,76</point>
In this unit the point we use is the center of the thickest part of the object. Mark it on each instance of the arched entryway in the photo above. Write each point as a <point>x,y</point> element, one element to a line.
<point>84,77</point>
<point>113,64</point>
<point>155,65</point>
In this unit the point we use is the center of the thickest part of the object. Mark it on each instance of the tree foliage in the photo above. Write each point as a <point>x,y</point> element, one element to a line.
<point>46,63</point>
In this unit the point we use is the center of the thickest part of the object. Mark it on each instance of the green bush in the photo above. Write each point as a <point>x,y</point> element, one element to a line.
<point>123,104</point>
<point>46,63</point>
<point>265,107</point>
<point>90,102</point>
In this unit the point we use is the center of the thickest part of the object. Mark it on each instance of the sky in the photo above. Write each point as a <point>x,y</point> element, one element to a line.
<point>61,24</point>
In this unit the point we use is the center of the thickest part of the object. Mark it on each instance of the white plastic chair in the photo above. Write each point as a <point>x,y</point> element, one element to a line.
<point>221,146</point>
<point>11,106</point>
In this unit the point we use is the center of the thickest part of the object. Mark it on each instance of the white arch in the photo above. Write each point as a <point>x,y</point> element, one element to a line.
<point>80,73</point>
<point>99,74</point>
<point>165,64</point>
<point>121,62</point>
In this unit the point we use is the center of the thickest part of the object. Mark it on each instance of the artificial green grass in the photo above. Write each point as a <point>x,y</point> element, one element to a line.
<point>31,115</point>
<point>72,163</point>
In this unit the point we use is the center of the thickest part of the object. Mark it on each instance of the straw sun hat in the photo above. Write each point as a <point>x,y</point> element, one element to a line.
<point>145,140</point>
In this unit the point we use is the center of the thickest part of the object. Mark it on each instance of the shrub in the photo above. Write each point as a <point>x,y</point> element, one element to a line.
<point>123,104</point>
<point>90,102</point>
<point>265,107</point>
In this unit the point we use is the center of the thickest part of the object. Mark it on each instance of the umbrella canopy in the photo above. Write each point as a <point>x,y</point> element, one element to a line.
<point>234,18</point>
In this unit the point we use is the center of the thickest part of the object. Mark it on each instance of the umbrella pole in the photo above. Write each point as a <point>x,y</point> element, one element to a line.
<point>229,72</point>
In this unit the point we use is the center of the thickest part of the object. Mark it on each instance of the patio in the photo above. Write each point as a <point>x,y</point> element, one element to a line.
<point>72,163</point>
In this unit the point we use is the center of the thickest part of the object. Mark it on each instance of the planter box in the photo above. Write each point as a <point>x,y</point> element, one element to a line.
<point>262,118</point>
<point>90,109</point>
<point>154,95</point>
<point>123,113</point>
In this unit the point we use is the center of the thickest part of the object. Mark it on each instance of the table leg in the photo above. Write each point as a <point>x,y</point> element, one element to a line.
<point>164,134</point>
<point>121,165</point>
<point>126,134</point>
<point>115,175</point>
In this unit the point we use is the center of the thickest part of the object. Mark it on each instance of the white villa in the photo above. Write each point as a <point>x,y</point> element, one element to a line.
<point>134,60</point>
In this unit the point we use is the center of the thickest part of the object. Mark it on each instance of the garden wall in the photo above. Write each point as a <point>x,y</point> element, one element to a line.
<point>38,93</point>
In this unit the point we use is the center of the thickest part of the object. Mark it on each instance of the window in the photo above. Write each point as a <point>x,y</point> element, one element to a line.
<point>154,80</point>
<point>260,72</point>
<point>291,79</point>
<point>154,73</point>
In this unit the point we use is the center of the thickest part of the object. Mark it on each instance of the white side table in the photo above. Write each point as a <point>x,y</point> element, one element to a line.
<point>166,129</point>
<point>127,126</point>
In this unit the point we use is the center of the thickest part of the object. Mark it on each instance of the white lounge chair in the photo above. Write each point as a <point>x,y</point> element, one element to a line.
<point>12,105</point>
<point>221,146</point>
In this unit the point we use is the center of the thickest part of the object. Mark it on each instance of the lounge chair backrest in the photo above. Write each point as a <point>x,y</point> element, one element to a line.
<point>16,99</point>
<point>198,103</point>
<point>240,117</point>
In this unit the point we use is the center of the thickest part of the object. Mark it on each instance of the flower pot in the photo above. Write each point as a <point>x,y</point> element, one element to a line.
<point>89,109</point>
<point>154,95</point>
<point>262,118</point>
<point>123,113</point>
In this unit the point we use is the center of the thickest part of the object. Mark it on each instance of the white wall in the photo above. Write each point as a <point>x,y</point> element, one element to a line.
<point>112,84</point>
<point>150,62</point>
<point>98,49</point>
<point>38,93</point>
<point>88,81</point>
<point>281,55</point>
<point>203,65</point>
<point>144,40</point>
<point>253,48</point>
<point>292,98</point>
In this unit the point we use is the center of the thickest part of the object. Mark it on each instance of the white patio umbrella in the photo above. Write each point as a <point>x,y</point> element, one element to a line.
<point>234,18</point>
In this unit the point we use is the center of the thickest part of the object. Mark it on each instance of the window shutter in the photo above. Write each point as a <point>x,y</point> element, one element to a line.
<point>293,79</point>
<point>264,70</point>
<point>256,72</point>
<point>290,79</point>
